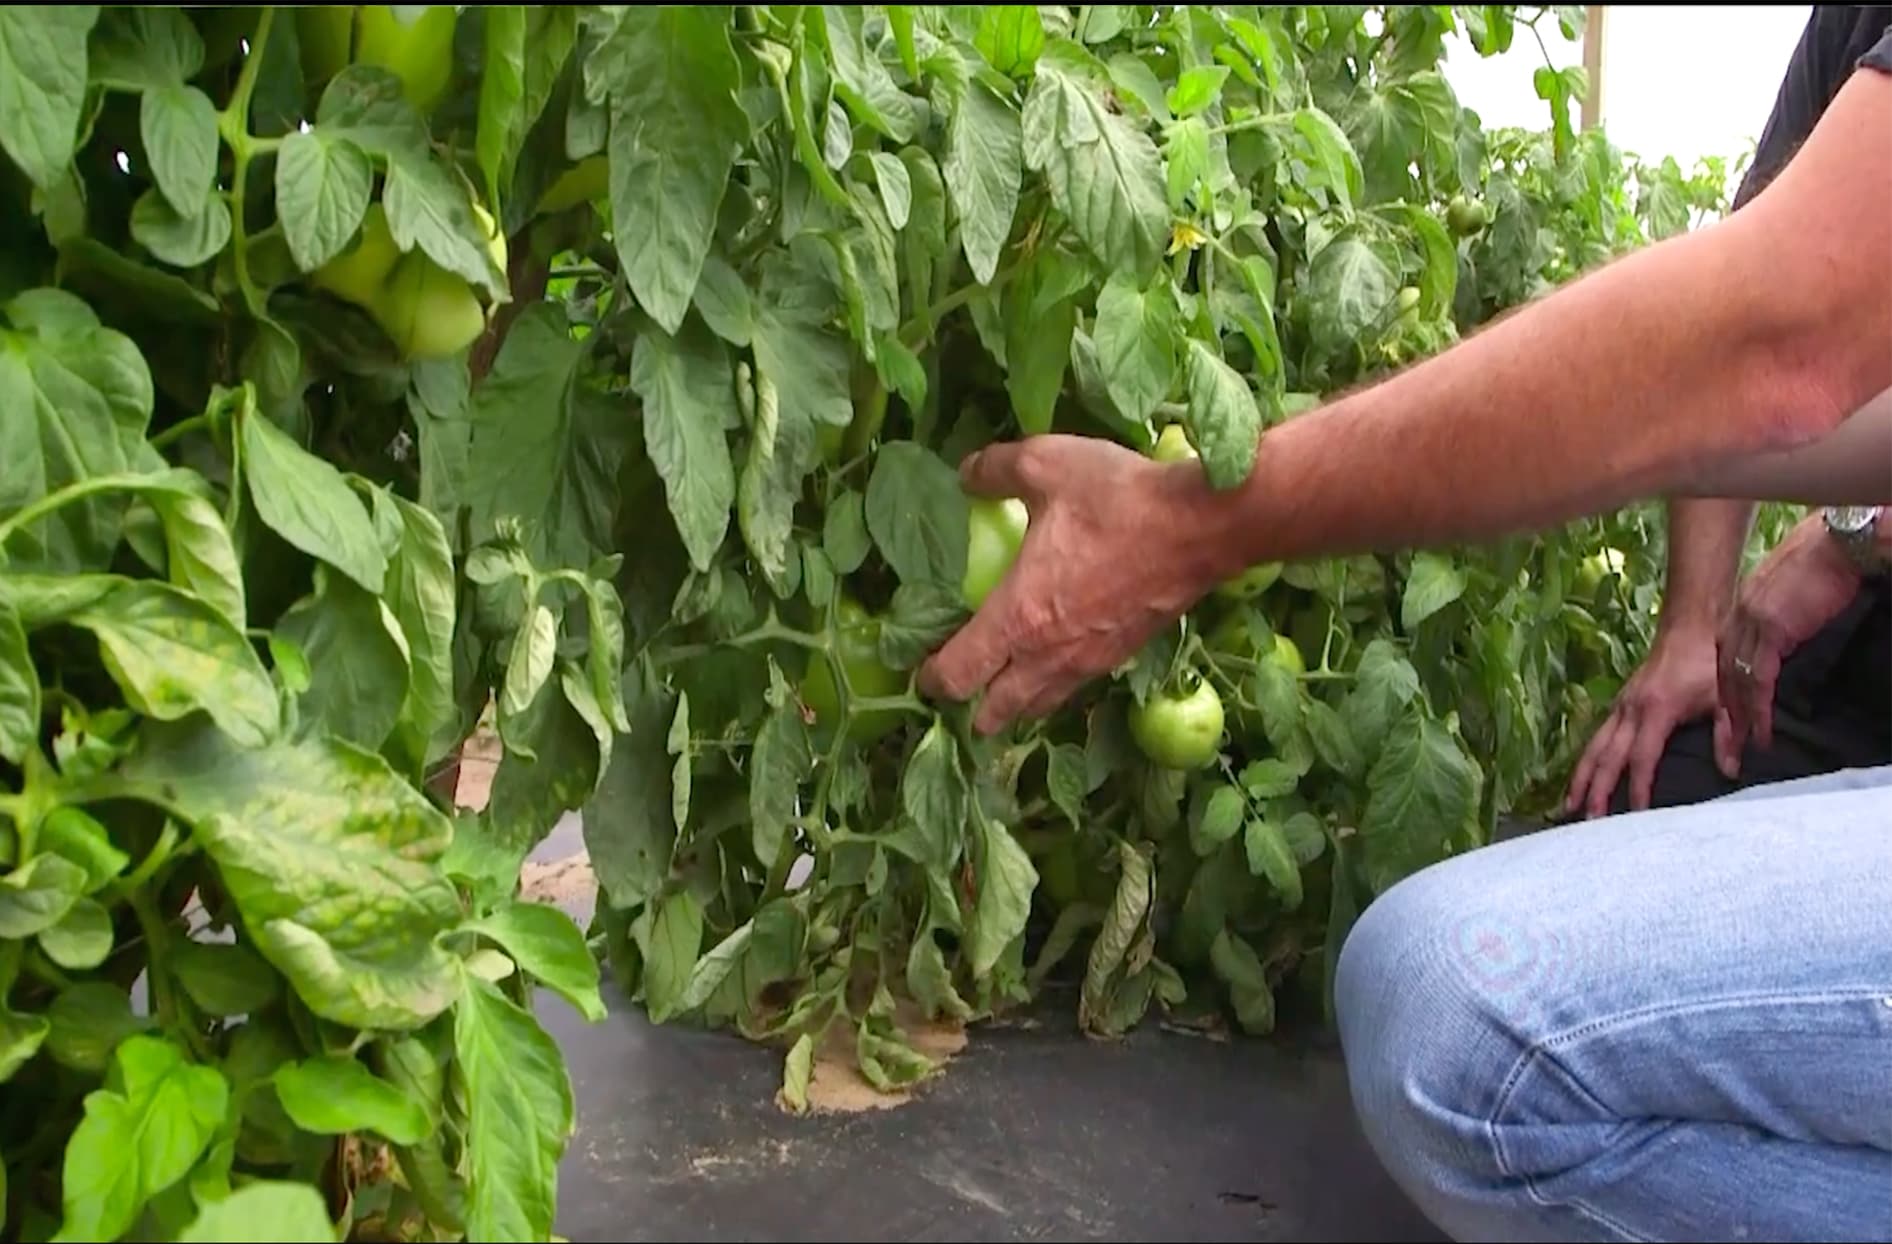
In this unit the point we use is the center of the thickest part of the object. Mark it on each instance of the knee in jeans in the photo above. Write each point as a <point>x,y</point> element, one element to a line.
<point>1422,1037</point>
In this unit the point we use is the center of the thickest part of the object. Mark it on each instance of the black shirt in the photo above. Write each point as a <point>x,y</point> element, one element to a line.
<point>1838,39</point>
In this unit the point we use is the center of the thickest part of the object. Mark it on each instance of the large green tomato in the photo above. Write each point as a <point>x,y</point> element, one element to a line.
<point>859,635</point>
<point>427,311</point>
<point>1250,583</point>
<point>1595,568</point>
<point>1180,728</point>
<point>1466,216</point>
<point>994,535</point>
<point>419,53</point>
<point>584,182</point>
<point>324,33</point>
<point>357,274</point>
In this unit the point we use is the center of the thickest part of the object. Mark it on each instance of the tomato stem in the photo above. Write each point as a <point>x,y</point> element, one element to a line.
<point>235,124</point>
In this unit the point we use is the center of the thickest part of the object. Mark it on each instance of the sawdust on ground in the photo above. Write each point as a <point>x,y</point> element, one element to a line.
<point>836,1085</point>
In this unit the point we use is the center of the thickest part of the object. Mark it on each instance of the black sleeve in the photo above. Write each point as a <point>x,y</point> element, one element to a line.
<point>1836,40</point>
<point>1879,56</point>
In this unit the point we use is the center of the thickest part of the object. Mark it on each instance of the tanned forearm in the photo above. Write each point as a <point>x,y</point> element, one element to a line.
<point>1706,538</point>
<point>1757,335</point>
<point>1850,466</point>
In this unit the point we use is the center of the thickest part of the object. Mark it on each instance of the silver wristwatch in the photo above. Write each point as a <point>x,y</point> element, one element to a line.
<point>1855,527</point>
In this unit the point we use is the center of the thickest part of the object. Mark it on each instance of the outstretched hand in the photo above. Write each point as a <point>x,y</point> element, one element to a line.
<point>1115,552</point>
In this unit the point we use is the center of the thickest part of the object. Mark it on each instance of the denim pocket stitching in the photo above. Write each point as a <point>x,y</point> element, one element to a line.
<point>1546,1048</point>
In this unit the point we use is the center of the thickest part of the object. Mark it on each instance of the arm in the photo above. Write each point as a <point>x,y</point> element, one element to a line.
<point>1756,336</point>
<point>1759,335</point>
<point>1705,541</point>
<point>1853,466</point>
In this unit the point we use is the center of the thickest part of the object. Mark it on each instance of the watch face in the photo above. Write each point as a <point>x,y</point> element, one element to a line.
<point>1852,518</point>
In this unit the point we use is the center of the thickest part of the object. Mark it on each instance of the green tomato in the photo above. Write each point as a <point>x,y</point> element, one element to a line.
<point>1173,445</point>
<point>994,535</point>
<point>1057,874</point>
<point>1251,583</point>
<point>358,274</point>
<point>1408,298</point>
<point>419,53</point>
<point>323,35</point>
<point>1466,216</point>
<point>1233,637</point>
<point>584,182</point>
<point>1595,568</point>
<point>427,311</point>
<point>1180,728</point>
<point>859,635</point>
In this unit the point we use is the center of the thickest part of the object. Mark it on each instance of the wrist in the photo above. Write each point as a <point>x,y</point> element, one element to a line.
<point>1214,533</point>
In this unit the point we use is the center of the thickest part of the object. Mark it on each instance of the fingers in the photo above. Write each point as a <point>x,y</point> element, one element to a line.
<point>1651,738</point>
<point>1609,767</point>
<point>1590,765</point>
<point>971,658</point>
<point>1766,663</point>
<point>1727,748</point>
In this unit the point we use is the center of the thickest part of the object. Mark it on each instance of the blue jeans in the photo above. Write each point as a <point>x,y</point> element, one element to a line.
<point>1673,1025</point>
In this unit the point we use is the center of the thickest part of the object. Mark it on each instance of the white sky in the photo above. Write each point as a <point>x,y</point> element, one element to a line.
<point>1680,81</point>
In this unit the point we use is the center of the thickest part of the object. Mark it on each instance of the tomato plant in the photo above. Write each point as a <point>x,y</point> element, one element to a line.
<point>601,373</point>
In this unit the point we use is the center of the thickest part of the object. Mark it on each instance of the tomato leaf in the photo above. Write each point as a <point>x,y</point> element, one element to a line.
<point>43,69</point>
<point>1433,583</point>
<point>781,759</point>
<point>138,1138</point>
<point>921,618</point>
<point>330,859</point>
<point>1238,967</point>
<point>82,939</point>
<point>1005,880</point>
<point>1010,37</point>
<point>290,1212</point>
<point>1422,797</point>
<point>1217,820</point>
<point>306,501</point>
<point>357,659</point>
<point>225,979</point>
<point>918,515</point>
<point>334,1095</point>
<point>781,450</point>
<point>1271,856</point>
<point>983,166</point>
<point>183,241</point>
<point>1125,926</point>
<point>322,185</point>
<point>675,127</point>
<point>1224,422</point>
<point>37,895</point>
<point>545,448</point>
<point>1104,174</point>
<point>90,397</point>
<point>1136,335</point>
<point>75,834</point>
<point>520,1114</point>
<point>19,689</point>
<point>1197,89</point>
<point>935,797</point>
<point>628,830</point>
<point>87,1023</point>
<point>502,114</point>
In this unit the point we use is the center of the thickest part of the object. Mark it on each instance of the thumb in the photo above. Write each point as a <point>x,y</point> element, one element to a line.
<point>1002,470</point>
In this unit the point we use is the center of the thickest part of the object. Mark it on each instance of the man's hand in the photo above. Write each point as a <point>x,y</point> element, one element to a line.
<point>1113,555</point>
<point>1675,685</point>
<point>1801,586</point>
